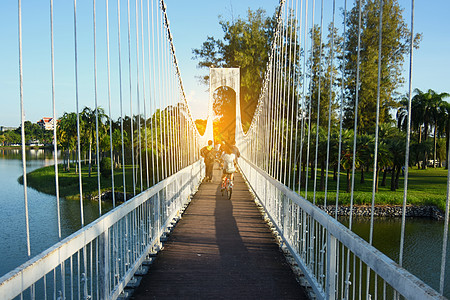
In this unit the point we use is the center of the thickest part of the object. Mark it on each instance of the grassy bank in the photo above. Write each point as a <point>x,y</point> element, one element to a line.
<point>43,180</point>
<point>425,187</point>
<point>26,147</point>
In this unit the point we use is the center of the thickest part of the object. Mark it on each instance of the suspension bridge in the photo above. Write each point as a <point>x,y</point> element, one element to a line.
<point>178,237</point>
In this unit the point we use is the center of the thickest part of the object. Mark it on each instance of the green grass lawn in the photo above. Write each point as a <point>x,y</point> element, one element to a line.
<point>43,180</point>
<point>425,187</point>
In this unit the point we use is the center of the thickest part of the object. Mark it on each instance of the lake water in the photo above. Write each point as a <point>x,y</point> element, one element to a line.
<point>422,249</point>
<point>42,210</point>
<point>423,240</point>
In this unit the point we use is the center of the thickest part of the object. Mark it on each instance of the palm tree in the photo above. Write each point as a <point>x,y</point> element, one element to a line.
<point>89,117</point>
<point>436,102</point>
<point>444,125</point>
<point>425,108</point>
<point>365,145</point>
<point>347,155</point>
<point>67,131</point>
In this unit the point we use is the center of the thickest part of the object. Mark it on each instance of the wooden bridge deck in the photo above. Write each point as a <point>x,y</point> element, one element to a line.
<point>220,249</point>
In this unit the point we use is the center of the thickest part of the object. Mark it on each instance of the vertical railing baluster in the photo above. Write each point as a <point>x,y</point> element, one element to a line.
<point>331,266</point>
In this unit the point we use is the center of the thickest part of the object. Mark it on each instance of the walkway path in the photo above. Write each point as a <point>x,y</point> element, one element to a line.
<point>220,249</point>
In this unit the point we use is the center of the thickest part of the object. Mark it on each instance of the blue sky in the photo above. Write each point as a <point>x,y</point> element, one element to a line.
<point>190,22</point>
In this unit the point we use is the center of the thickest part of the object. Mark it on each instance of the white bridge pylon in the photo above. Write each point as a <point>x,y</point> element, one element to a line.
<point>224,77</point>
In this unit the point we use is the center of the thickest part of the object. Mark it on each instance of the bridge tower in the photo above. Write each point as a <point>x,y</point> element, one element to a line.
<point>225,77</point>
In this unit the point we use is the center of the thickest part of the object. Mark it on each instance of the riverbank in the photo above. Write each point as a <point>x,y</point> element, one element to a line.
<point>392,211</point>
<point>43,180</point>
<point>47,147</point>
<point>425,188</point>
<point>426,192</point>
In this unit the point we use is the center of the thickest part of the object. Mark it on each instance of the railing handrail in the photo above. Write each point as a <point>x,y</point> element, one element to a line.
<point>404,282</point>
<point>19,279</point>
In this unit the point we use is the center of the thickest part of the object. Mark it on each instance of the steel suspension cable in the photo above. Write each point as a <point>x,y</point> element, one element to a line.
<point>355,129</point>
<point>22,119</point>
<point>303,104</point>
<point>295,89</point>
<point>330,104</point>
<point>445,234</point>
<point>318,101</point>
<point>121,104</point>
<point>408,140</point>
<point>272,108</point>
<point>138,98</point>
<point>78,114</point>
<point>286,87</point>
<point>283,104</point>
<point>268,113</point>
<point>274,102</point>
<point>341,109</point>
<point>131,99</point>
<point>158,178</point>
<point>55,145</point>
<point>165,97</point>
<point>375,164</point>
<point>279,87</point>
<point>169,98</point>
<point>172,110</point>
<point>143,95</point>
<point>310,101</point>
<point>109,105</point>
<point>447,202</point>
<point>150,64</point>
<point>289,128</point>
<point>94,22</point>
<point>163,169</point>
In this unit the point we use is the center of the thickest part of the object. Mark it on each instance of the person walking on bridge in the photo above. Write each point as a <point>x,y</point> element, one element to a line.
<point>208,154</point>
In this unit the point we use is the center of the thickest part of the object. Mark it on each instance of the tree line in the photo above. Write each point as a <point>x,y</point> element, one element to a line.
<point>33,133</point>
<point>331,70</point>
<point>146,142</point>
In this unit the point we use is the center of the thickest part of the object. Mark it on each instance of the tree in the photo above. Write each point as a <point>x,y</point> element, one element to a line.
<point>395,45</point>
<point>12,137</point>
<point>89,117</point>
<point>321,70</point>
<point>224,107</point>
<point>365,145</point>
<point>428,112</point>
<point>246,44</point>
<point>201,126</point>
<point>444,125</point>
<point>347,155</point>
<point>67,134</point>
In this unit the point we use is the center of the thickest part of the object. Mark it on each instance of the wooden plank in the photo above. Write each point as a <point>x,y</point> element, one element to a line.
<point>220,249</point>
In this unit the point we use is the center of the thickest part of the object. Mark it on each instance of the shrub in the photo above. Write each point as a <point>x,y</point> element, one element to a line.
<point>105,167</point>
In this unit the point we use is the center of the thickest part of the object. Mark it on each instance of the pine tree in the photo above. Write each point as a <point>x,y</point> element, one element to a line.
<point>395,34</point>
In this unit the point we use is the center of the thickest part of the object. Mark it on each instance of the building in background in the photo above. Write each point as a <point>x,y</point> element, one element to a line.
<point>6,128</point>
<point>46,123</point>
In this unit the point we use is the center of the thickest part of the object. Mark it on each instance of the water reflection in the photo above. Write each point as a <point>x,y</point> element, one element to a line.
<point>42,210</point>
<point>422,247</point>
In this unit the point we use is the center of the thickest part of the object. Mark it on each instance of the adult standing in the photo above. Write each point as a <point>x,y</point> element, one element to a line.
<point>208,154</point>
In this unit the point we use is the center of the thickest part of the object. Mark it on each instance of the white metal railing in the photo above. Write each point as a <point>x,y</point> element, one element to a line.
<point>336,262</point>
<point>99,260</point>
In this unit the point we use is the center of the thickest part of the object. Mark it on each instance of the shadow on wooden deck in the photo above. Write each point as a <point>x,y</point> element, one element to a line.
<point>220,249</point>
